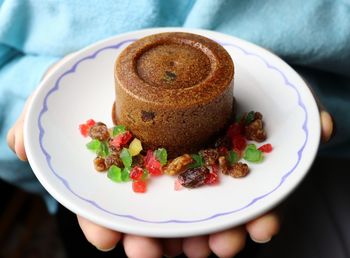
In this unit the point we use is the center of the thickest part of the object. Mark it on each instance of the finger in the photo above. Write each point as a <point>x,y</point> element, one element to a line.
<point>228,243</point>
<point>172,246</point>
<point>327,126</point>
<point>142,247</point>
<point>15,134</point>
<point>102,238</point>
<point>196,247</point>
<point>262,229</point>
<point>19,141</point>
<point>11,138</point>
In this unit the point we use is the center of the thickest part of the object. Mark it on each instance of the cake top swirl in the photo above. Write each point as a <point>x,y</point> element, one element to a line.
<point>174,68</point>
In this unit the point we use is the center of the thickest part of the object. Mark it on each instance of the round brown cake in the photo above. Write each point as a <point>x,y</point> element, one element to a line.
<point>174,90</point>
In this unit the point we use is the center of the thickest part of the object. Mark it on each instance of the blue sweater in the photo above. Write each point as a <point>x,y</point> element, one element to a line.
<point>313,36</point>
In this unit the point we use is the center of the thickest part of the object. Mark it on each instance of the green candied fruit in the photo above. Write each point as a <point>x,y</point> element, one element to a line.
<point>94,145</point>
<point>104,150</point>
<point>125,175</point>
<point>252,154</point>
<point>145,175</point>
<point>249,117</point>
<point>115,174</point>
<point>161,155</point>
<point>126,157</point>
<point>197,161</point>
<point>232,157</point>
<point>118,130</point>
<point>98,147</point>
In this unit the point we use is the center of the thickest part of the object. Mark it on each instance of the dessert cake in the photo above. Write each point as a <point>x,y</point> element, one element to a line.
<point>174,90</point>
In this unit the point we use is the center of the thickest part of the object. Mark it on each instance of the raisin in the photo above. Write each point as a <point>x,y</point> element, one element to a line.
<point>223,142</point>
<point>210,156</point>
<point>147,116</point>
<point>99,164</point>
<point>255,129</point>
<point>138,160</point>
<point>99,131</point>
<point>169,76</point>
<point>193,177</point>
<point>223,165</point>
<point>239,170</point>
<point>113,159</point>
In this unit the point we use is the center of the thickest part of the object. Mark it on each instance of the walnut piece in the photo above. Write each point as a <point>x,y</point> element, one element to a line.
<point>178,165</point>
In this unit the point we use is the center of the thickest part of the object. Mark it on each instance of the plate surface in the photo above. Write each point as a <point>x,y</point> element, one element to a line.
<point>82,87</point>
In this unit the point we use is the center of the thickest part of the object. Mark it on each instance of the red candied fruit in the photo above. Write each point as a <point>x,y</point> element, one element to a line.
<point>234,130</point>
<point>139,186</point>
<point>136,173</point>
<point>152,164</point>
<point>177,186</point>
<point>213,177</point>
<point>90,122</point>
<point>84,128</point>
<point>265,148</point>
<point>239,143</point>
<point>222,150</point>
<point>121,140</point>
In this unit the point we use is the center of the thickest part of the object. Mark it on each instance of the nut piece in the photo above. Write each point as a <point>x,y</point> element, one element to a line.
<point>99,164</point>
<point>99,131</point>
<point>178,165</point>
<point>255,130</point>
<point>239,170</point>
<point>210,156</point>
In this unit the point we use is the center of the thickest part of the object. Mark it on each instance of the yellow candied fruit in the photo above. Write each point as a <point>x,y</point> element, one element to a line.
<point>135,147</point>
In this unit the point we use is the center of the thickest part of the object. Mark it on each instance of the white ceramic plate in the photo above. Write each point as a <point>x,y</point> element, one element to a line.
<point>83,87</point>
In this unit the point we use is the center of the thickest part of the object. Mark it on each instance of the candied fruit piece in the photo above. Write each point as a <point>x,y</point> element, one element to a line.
<point>115,174</point>
<point>235,130</point>
<point>161,155</point>
<point>125,175</point>
<point>136,173</point>
<point>119,129</point>
<point>84,128</point>
<point>135,147</point>
<point>139,186</point>
<point>126,158</point>
<point>154,167</point>
<point>249,117</point>
<point>177,185</point>
<point>266,148</point>
<point>94,145</point>
<point>197,161</point>
<point>104,151</point>
<point>90,122</point>
<point>152,164</point>
<point>252,154</point>
<point>239,143</point>
<point>121,140</point>
<point>232,157</point>
<point>212,177</point>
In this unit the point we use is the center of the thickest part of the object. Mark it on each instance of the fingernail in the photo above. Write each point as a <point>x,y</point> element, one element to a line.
<point>261,241</point>
<point>105,249</point>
